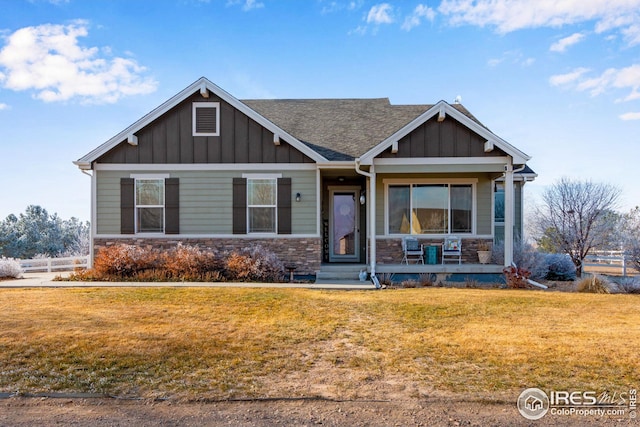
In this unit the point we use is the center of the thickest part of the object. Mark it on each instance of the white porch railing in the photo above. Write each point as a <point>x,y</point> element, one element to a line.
<point>54,264</point>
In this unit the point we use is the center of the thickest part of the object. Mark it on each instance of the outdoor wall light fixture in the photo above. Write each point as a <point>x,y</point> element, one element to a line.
<point>363,199</point>
<point>298,197</point>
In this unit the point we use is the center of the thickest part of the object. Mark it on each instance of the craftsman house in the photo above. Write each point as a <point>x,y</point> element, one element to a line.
<point>317,181</point>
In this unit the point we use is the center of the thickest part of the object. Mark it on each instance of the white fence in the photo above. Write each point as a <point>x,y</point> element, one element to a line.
<point>608,262</point>
<point>53,264</point>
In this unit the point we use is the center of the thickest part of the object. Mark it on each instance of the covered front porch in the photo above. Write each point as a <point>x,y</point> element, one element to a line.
<point>349,273</point>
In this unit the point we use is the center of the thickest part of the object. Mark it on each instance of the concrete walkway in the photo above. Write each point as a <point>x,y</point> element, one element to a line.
<point>46,280</point>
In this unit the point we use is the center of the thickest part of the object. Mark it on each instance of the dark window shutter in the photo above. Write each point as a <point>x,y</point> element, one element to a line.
<point>127,206</point>
<point>206,120</point>
<point>239,206</point>
<point>284,205</point>
<point>172,205</point>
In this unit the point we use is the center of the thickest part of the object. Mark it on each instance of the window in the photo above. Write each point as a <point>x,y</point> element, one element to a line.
<point>206,118</point>
<point>498,202</point>
<point>149,205</point>
<point>430,208</point>
<point>261,205</point>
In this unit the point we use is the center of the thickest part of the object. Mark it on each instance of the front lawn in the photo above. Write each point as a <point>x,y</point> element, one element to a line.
<point>213,343</point>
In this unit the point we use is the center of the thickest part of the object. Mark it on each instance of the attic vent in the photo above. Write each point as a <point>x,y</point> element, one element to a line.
<point>206,118</point>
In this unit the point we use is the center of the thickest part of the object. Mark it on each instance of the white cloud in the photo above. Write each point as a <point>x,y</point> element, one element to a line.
<point>511,57</point>
<point>252,4</point>
<point>48,60</point>
<point>337,6</point>
<point>627,78</point>
<point>630,116</point>
<point>564,79</point>
<point>512,15</point>
<point>562,44</point>
<point>3,106</point>
<point>380,14</point>
<point>416,17</point>
<point>247,5</point>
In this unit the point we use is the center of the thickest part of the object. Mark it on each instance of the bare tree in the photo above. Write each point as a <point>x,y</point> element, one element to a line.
<point>630,235</point>
<point>577,216</point>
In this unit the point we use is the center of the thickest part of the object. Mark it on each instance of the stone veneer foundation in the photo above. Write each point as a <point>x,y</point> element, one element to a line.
<point>304,253</point>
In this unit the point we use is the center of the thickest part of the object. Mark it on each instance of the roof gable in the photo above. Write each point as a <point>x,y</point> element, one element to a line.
<point>442,109</point>
<point>204,86</point>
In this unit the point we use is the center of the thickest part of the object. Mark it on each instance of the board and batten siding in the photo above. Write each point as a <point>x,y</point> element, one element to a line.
<point>448,138</point>
<point>170,140</point>
<point>206,201</point>
<point>483,197</point>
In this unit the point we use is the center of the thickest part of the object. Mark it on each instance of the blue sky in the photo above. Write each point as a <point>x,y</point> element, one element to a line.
<point>559,79</point>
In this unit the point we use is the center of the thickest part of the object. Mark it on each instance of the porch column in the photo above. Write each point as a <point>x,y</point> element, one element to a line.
<point>509,212</point>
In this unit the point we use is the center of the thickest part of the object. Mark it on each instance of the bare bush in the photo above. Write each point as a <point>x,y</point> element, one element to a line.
<point>124,260</point>
<point>10,268</point>
<point>254,264</point>
<point>594,285</point>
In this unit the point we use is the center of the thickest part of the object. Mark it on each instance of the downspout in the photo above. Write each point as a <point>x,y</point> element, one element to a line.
<point>371,209</point>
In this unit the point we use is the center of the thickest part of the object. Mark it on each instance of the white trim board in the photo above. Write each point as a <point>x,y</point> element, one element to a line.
<point>177,167</point>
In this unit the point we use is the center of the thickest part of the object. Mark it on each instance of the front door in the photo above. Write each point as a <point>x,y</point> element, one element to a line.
<point>344,239</point>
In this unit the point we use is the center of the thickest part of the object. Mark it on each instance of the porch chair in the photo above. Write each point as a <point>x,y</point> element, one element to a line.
<point>412,249</point>
<point>452,249</point>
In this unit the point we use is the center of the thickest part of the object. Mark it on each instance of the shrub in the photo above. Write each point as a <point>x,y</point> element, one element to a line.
<point>427,279</point>
<point>630,285</point>
<point>560,267</point>
<point>524,256</point>
<point>386,279</point>
<point>410,283</point>
<point>9,267</point>
<point>516,278</point>
<point>594,285</point>
<point>124,260</point>
<point>190,262</point>
<point>254,264</point>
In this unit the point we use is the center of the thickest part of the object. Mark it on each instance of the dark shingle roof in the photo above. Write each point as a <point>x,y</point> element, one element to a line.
<point>338,129</point>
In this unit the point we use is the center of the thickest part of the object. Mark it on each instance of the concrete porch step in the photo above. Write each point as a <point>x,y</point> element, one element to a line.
<point>342,272</point>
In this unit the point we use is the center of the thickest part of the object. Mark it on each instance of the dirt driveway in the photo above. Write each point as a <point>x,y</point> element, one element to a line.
<point>46,412</point>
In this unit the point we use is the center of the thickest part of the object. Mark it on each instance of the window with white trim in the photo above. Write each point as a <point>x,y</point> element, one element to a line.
<point>262,205</point>
<point>430,208</point>
<point>206,118</point>
<point>150,205</point>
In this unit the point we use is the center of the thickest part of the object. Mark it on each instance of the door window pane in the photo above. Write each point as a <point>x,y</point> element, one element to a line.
<point>344,224</point>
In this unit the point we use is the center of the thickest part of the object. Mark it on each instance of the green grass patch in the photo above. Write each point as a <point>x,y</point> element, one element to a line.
<point>228,342</point>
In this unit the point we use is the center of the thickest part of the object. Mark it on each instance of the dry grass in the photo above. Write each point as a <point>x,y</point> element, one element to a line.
<point>219,343</point>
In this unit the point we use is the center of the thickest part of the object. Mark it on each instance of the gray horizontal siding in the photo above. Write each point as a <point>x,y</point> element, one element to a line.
<point>206,201</point>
